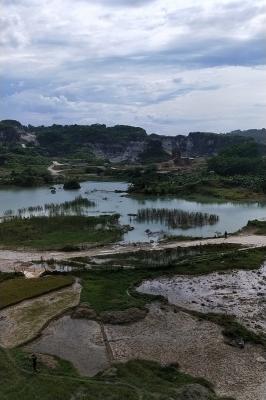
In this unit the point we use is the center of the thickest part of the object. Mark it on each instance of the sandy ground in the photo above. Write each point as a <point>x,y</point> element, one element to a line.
<point>53,168</point>
<point>11,260</point>
<point>198,346</point>
<point>79,341</point>
<point>238,293</point>
<point>22,322</point>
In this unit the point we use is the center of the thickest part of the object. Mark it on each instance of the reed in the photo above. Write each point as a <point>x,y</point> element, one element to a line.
<point>75,206</point>
<point>174,218</point>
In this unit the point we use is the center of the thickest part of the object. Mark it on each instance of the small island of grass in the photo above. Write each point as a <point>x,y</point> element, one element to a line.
<point>59,232</point>
<point>72,184</point>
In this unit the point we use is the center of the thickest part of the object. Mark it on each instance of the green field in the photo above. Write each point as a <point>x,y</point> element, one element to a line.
<point>13,291</point>
<point>108,290</point>
<point>58,232</point>
<point>133,380</point>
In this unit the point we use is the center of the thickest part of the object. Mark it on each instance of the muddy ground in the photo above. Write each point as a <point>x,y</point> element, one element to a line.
<point>238,293</point>
<point>79,341</point>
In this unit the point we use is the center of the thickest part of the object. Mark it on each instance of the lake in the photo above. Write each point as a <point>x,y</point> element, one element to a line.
<point>232,216</point>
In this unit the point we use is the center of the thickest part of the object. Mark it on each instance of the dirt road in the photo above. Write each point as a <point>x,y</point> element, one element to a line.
<point>10,259</point>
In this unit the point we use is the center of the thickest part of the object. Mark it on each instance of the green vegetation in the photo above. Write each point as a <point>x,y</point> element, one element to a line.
<point>244,164</point>
<point>233,329</point>
<point>30,177</point>
<point>111,287</point>
<point>69,139</point>
<point>71,185</point>
<point>8,275</point>
<point>257,227</point>
<point>154,152</point>
<point>58,231</point>
<point>13,291</point>
<point>235,174</point>
<point>76,206</point>
<point>241,159</point>
<point>109,290</point>
<point>174,218</point>
<point>21,166</point>
<point>131,380</point>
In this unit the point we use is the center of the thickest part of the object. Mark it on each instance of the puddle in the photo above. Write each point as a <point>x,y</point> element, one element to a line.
<point>79,341</point>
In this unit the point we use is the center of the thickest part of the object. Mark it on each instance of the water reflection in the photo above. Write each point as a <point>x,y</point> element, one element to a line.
<point>232,216</point>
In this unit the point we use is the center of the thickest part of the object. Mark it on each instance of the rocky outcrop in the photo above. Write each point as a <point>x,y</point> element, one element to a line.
<point>12,132</point>
<point>119,152</point>
<point>121,143</point>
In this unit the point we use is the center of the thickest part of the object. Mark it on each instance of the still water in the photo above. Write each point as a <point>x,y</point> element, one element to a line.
<point>232,216</point>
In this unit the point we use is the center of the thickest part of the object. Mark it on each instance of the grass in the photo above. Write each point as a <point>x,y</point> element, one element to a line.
<point>107,290</point>
<point>175,218</point>
<point>4,276</point>
<point>245,259</point>
<point>133,380</point>
<point>12,291</point>
<point>257,227</point>
<point>221,193</point>
<point>76,206</point>
<point>233,329</point>
<point>115,290</point>
<point>58,231</point>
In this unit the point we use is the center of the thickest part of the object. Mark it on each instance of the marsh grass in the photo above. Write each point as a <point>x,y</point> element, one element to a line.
<point>57,232</point>
<point>77,207</point>
<point>174,218</point>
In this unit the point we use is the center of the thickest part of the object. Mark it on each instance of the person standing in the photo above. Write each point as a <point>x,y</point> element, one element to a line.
<point>34,362</point>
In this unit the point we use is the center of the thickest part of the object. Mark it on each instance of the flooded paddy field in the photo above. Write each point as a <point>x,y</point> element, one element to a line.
<point>79,341</point>
<point>237,293</point>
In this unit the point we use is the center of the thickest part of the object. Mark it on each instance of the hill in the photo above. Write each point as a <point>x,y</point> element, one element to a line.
<point>120,143</point>
<point>259,135</point>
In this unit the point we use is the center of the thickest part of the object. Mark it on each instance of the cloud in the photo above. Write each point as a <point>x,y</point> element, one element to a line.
<point>123,3</point>
<point>140,62</point>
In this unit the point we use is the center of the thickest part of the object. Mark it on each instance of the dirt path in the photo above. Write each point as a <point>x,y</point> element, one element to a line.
<point>52,168</point>
<point>12,259</point>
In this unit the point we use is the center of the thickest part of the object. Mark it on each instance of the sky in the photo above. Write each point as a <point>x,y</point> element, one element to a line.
<point>169,66</point>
